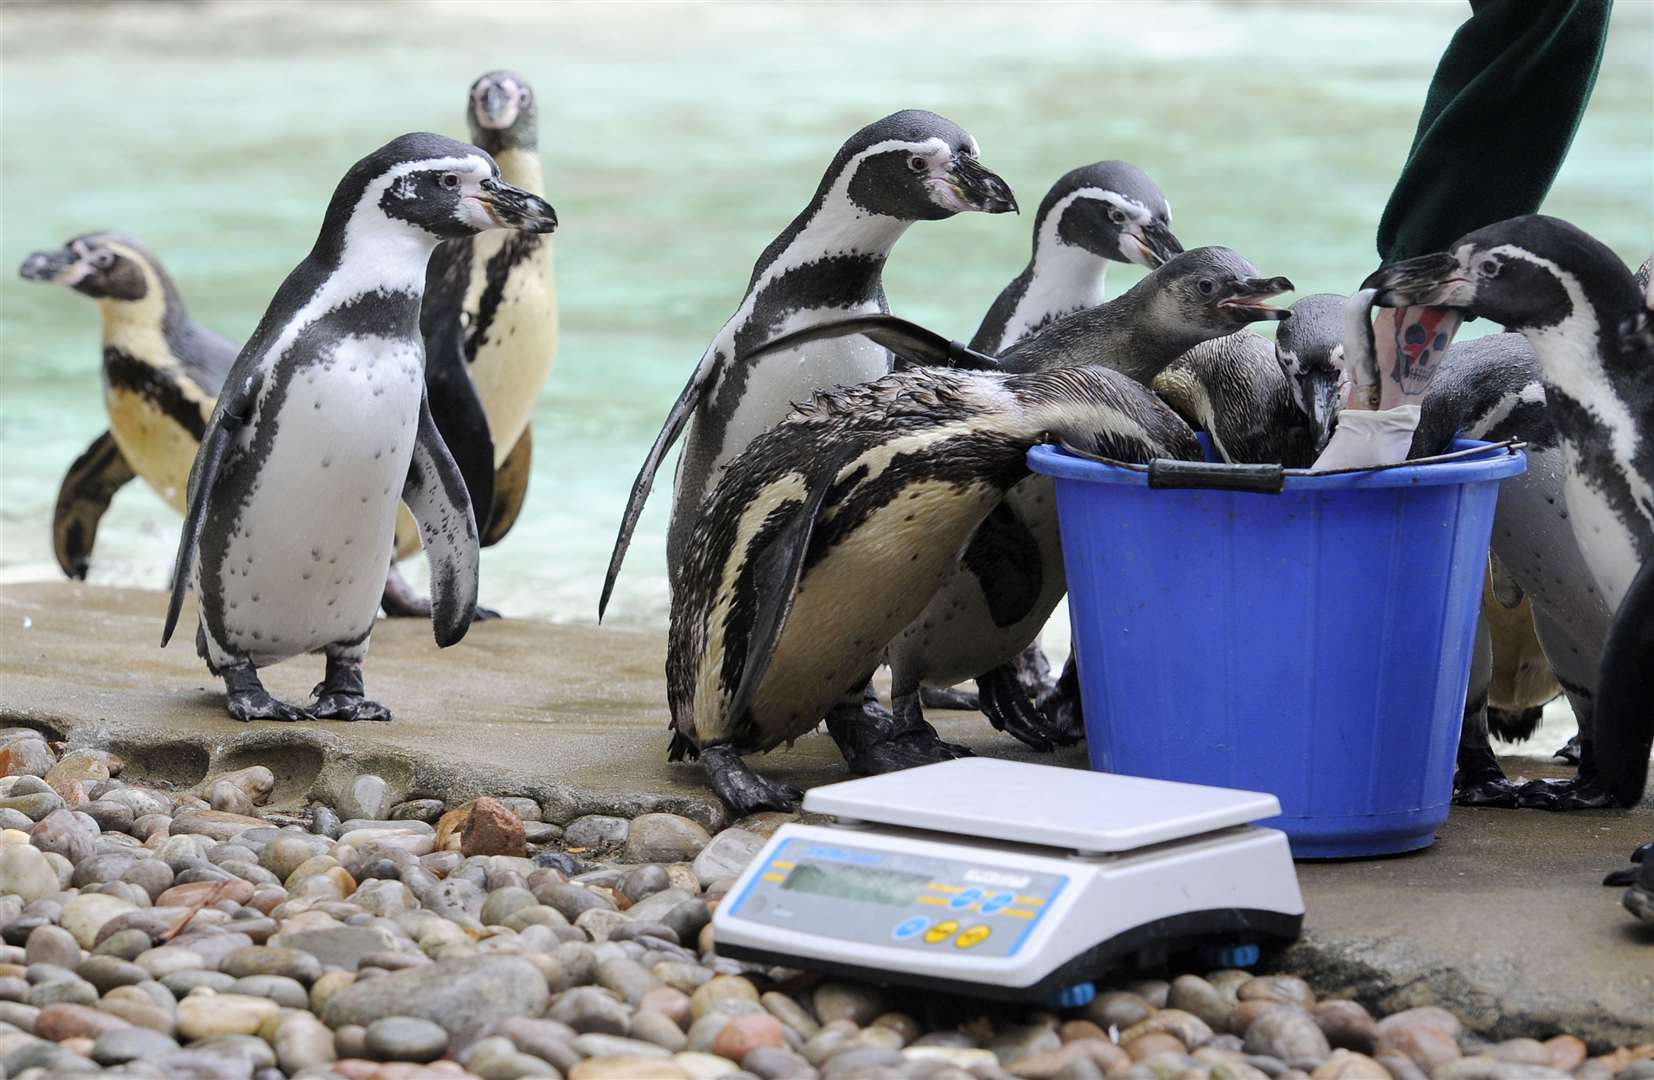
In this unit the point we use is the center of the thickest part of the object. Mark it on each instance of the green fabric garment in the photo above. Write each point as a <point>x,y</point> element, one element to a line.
<point>1501,112</point>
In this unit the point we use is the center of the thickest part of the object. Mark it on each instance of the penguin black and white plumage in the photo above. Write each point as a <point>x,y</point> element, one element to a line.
<point>1263,402</point>
<point>910,166</point>
<point>161,373</point>
<point>1108,211</point>
<point>1589,326</point>
<point>832,530</point>
<point>490,326</point>
<point>1011,576</point>
<point>323,425</point>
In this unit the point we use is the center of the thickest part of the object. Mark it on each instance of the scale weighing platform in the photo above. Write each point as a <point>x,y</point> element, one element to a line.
<point>1008,880</point>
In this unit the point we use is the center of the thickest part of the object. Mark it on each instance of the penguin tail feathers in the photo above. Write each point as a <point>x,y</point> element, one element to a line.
<point>1513,725</point>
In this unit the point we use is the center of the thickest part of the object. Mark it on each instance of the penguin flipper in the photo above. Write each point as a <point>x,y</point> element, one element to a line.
<point>87,489</point>
<point>438,498</point>
<point>908,340</point>
<point>457,409</point>
<point>510,489</point>
<point>229,416</point>
<point>1624,715</point>
<point>777,567</point>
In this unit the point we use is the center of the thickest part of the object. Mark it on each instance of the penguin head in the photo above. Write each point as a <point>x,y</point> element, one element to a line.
<point>916,166</point>
<point>1111,209</point>
<point>103,265</point>
<point>504,113</point>
<point>433,188</point>
<point>1214,289</point>
<point>1310,349</point>
<point>1526,273</point>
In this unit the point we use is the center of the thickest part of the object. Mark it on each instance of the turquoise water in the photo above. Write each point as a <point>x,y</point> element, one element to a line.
<point>677,142</point>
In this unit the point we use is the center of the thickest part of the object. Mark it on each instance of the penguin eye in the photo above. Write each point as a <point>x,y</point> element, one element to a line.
<point>1116,215</point>
<point>523,96</point>
<point>1206,286</point>
<point>450,180</point>
<point>918,164</point>
<point>1489,267</point>
<point>103,260</point>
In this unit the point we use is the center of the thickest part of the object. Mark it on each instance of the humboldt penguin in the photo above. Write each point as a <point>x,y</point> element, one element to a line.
<point>1010,576</point>
<point>323,424</point>
<point>161,373</point>
<point>1588,324</point>
<point>910,166</point>
<point>833,529</point>
<point>490,326</point>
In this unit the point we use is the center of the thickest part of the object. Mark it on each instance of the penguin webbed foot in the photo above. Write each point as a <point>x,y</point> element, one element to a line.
<point>742,790</point>
<point>1578,793</point>
<point>1006,704</point>
<point>1062,706</point>
<point>1480,780</point>
<point>246,699</point>
<point>1569,751</point>
<point>341,694</point>
<point>949,697</point>
<point>874,740</point>
<point>1627,875</point>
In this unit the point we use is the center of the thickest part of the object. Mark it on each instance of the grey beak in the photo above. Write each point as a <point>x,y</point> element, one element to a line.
<point>1412,281</point>
<point>514,208</point>
<point>45,265</point>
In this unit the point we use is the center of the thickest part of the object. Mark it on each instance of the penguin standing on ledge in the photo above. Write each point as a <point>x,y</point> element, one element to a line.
<point>910,166</point>
<point>490,325</point>
<point>833,529</point>
<point>323,424</point>
<point>1589,326</point>
<point>161,373</point>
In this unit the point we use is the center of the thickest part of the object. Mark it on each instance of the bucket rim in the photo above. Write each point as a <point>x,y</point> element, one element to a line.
<point>1051,460</point>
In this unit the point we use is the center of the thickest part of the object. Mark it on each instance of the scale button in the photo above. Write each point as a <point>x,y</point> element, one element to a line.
<point>976,935</point>
<point>909,927</point>
<point>965,899</point>
<point>996,903</point>
<point>940,932</point>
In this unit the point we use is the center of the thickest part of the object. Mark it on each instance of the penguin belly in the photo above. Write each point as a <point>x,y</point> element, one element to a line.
<point>514,356</point>
<point>1604,540</point>
<point>863,590</point>
<point>304,566</point>
<point>159,448</point>
<point>957,636</point>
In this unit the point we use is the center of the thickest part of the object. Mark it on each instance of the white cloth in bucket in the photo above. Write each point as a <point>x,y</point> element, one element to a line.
<point>1365,438</point>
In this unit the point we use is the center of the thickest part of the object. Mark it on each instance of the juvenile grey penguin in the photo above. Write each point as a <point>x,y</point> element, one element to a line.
<point>1589,326</point>
<point>1011,576</point>
<point>490,326</point>
<point>1108,211</point>
<point>832,530</point>
<point>161,373</point>
<point>910,166</point>
<point>323,424</point>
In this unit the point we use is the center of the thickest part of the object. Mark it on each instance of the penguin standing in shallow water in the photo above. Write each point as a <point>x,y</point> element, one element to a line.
<point>910,166</point>
<point>1589,327</point>
<point>832,530</point>
<point>490,325</point>
<point>323,425</point>
<point>161,373</point>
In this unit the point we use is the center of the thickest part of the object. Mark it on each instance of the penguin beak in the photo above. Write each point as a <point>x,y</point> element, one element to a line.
<point>50,266</point>
<point>1430,280</point>
<point>513,208</point>
<point>1149,245</point>
<point>1247,295</point>
<point>496,108</point>
<point>970,186</point>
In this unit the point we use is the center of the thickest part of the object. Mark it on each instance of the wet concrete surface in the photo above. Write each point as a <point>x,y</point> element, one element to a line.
<point>1502,920</point>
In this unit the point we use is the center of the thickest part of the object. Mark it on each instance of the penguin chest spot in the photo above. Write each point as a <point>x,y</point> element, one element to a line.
<point>515,339</point>
<point>859,594</point>
<point>306,560</point>
<point>157,446</point>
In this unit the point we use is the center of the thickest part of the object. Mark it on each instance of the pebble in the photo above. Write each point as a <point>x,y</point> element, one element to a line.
<point>727,855</point>
<point>744,1034</point>
<point>405,1038</point>
<point>121,1045</point>
<point>847,1001</point>
<point>596,831</point>
<point>457,994</point>
<point>368,796</point>
<point>491,829</point>
<point>664,838</point>
<point>1289,1033</point>
<point>204,1015</point>
<point>26,873</point>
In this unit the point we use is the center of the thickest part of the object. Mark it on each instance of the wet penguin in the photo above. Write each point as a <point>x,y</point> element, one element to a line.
<point>832,530</point>
<point>1109,211</point>
<point>1011,576</point>
<point>161,373</point>
<point>910,166</point>
<point>1589,326</point>
<point>323,425</point>
<point>490,325</point>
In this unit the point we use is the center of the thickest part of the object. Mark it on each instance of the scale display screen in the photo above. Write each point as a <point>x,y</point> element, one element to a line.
<point>848,882</point>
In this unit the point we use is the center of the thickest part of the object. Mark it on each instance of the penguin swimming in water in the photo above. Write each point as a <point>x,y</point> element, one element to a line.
<point>1011,576</point>
<point>490,326</point>
<point>833,529</point>
<point>910,166</point>
<point>323,424</point>
<point>1589,326</point>
<point>161,373</point>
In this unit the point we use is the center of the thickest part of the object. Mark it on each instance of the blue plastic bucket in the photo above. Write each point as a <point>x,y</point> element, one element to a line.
<point>1314,643</point>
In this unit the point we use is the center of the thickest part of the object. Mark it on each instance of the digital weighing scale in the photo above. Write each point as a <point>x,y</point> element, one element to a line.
<point>1007,880</point>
